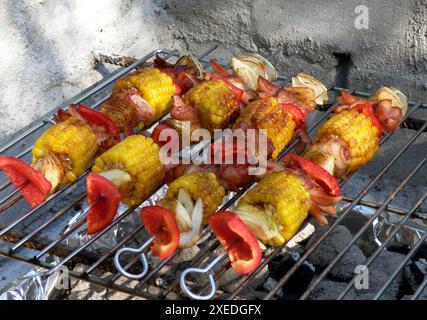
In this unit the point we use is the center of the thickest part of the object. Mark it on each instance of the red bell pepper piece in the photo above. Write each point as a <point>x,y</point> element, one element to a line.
<point>298,115</point>
<point>320,175</point>
<point>155,135</point>
<point>347,97</point>
<point>99,119</point>
<point>33,186</point>
<point>242,245</point>
<point>367,110</point>
<point>160,222</point>
<point>107,198</point>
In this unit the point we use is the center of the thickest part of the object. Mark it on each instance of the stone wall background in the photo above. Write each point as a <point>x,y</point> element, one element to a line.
<point>46,46</point>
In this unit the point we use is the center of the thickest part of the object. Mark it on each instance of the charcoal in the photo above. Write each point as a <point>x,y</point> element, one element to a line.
<point>377,279</point>
<point>327,290</point>
<point>297,283</point>
<point>331,290</point>
<point>387,262</point>
<point>330,247</point>
<point>422,296</point>
<point>380,272</point>
<point>415,273</point>
<point>230,281</point>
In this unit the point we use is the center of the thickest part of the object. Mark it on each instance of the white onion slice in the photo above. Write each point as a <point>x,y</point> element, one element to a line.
<point>189,238</point>
<point>248,68</point>
<point>182,217</point>
<point>185,200</point>
<point>305,80</point>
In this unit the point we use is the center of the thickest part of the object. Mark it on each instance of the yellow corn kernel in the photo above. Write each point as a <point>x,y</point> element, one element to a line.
<point>138,156</point>
<point>285,199</point>
<point>267,114</point>
<point>357,130</point>
<point>215,102</point>
<point>154,86</point>
<point>71,141</point>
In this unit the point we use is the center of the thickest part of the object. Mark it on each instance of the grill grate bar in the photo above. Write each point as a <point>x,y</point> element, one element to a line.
<point>244,190</point>
<point>386,241</point>
<point>47,223</point>
<point>10,195</point>
<point>286,277</point>
<point>401,266</point>
<point>63,189</point>
<point>278,249</point>
<point>32,211</point>
<point>113,249</point>
<point>419,215</point>
<point>91,241</point>
<point>28,150</point>
<point>79,223</point>
<point>363,229</point>
<point>21,137</point>
<point>210,246</point>
<point>94,106</point>
<point>196,261</point>
<point>88,94</point>
<point>5,185</point>
<point>77,251</point>
<point>11,203</point>
<point>130,68</point>
<point>419,290</point>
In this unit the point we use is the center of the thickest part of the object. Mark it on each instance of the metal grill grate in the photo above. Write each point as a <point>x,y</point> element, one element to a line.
<point>94,97</point>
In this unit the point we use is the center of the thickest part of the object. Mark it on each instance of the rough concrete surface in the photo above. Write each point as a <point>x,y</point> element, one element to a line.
<point>47,46</point>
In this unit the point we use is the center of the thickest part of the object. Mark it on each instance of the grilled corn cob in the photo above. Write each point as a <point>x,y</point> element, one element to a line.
<point>134,163</point>
<point>199,185</point>
<point>357,131</point>
<point>267,114</point>
<point>154,86</point>
<point>276,207</point>
<point>215,102</point>
<point>64,151</point>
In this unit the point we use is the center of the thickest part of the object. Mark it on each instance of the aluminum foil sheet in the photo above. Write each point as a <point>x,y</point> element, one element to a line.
<point>407,235</point>
<point>35,285</point>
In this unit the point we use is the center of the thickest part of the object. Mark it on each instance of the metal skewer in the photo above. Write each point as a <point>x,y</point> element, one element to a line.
<point>212,283</point>
<point>79,222</point>
<point>7,205</point>
<point>142,258</point>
